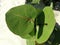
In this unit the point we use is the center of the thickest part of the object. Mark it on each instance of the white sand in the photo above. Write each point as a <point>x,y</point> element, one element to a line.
<point>6,36</point>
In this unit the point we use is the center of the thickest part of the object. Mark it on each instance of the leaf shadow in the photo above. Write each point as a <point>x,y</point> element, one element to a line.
<point>40,22</point>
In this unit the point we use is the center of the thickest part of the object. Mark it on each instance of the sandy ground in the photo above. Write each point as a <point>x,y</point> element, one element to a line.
<point>57,16</point>
<point>6,36</point>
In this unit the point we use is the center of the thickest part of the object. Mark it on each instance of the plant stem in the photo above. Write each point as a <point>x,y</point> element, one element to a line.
<point>51,5</point>
<point>37,43</point>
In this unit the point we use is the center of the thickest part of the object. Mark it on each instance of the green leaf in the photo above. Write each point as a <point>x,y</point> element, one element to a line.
<point>20,19</point>
<point>46,25</point>
<point>35,1</point>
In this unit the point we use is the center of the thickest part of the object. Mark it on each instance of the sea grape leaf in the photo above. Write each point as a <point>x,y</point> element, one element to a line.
<point>20,19</point>
<point>33,32</point>
<point>48,26</point>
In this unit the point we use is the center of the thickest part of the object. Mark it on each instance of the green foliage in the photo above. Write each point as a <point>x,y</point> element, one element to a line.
<point>46,25</point>
<point>33,24</point>
<point>20,19</point>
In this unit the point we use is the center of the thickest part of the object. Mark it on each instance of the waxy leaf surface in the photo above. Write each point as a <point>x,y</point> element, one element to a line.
<point>46,25</point>
<point>20,19</point>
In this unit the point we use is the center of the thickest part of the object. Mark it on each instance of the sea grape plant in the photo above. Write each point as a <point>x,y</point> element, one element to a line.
<point>33,24</point>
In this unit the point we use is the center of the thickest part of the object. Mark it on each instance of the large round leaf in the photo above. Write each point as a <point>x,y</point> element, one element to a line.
<point>46,25</point>
<point>20,19</point>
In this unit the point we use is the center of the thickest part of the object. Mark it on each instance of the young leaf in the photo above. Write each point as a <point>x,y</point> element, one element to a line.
<point>48,26</point>
<point>20,19</point>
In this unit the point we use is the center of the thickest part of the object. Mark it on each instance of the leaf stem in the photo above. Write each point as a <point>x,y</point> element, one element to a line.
<point>51,5</point>
<point>38,44</point>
